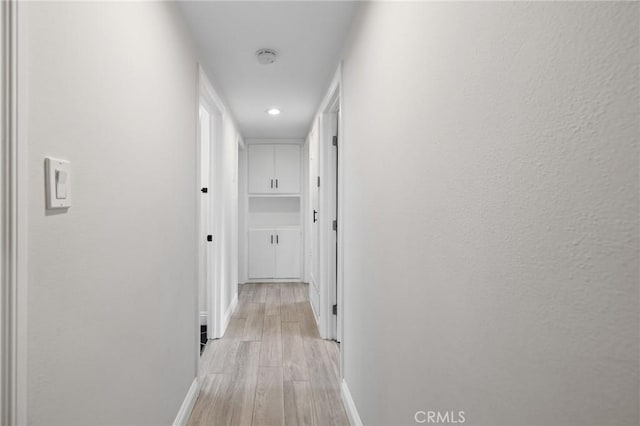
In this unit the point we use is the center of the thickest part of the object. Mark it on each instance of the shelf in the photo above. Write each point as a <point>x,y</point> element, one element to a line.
<point>274,211</point>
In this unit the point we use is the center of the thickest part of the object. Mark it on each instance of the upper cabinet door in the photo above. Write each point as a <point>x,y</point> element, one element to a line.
<point>287,169</point>
<point>261,169</point>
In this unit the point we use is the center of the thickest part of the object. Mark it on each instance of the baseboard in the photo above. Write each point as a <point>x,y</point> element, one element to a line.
<point>349,405</point>
<point>187,405</point>
<point>228,314</point>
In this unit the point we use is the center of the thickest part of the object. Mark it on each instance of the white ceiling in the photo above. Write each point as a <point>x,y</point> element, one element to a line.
<point>308,36</point>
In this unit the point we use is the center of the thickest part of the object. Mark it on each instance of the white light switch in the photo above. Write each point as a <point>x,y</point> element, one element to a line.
<point>61,184</point>
<point>57,174</point>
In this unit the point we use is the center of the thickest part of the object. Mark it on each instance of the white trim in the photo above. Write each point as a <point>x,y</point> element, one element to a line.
<point>329,326</point>
<point>349,405</point>
<point>13,217</point>
<point>204,316</point>
<point>227,315</point>
<point>182,418</point>
<point>341,221</point>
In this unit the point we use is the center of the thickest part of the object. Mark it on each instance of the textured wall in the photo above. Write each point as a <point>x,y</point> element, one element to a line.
<point>491,201</point>
<point>112,87</point>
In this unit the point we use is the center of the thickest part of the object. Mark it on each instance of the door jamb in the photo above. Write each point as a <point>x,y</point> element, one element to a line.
<point>331,104</point>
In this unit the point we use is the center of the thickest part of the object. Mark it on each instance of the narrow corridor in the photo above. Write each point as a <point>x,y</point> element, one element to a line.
<point>271,367</point>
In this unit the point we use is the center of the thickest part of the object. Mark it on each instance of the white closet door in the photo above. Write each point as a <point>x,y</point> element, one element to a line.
<point>262,253</point>
<point>261,169</point>
<point>287,168</point>
<point>288,253</point>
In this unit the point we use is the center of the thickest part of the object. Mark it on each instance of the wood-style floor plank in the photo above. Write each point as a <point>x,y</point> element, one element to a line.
<point>269,404</point>
<point>326,391</point>
<point>242,390</point>
<point>235,329</point>
<point>271,367</point>
<point>333,350</point>
<point>288,308</point>
<point>294,361</point>
<point>271,351</point>
<point>244,302</point>
<point>299,407</point>
<point>301,292</point>
<point>208,403</point>
<point>260,293</point>
<point>272,301</point>
<point>223,356</point>
<point>253,323</point>
<point>308,325</point>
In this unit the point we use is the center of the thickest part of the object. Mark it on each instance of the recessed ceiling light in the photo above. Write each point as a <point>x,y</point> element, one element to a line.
<point>273,111</point>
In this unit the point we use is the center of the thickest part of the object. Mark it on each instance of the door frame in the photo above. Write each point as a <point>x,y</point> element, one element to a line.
<point>331,326</point>
<point>212,103</point>
<point>13,217</point>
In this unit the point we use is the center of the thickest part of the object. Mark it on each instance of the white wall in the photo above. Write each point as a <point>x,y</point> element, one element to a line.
<point>491,201</point>
<point>112,87</point>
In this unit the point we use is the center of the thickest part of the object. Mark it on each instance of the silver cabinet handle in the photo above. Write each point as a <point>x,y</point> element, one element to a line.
<point>277,240</point>
<point>271,183</point>
<point>272,239</point>
<point>276,183</point>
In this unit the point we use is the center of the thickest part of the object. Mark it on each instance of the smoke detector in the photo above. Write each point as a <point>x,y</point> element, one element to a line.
<point>266,56</point>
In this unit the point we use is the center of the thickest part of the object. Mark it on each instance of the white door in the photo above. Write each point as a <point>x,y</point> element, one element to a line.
<point>261,169</point>
<point>287,169</point>
<point>288,253</point>
<point>261,253</point>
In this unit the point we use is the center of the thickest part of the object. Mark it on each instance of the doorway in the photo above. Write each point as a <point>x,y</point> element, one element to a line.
<point>205,123</point>
<point>210,135</point>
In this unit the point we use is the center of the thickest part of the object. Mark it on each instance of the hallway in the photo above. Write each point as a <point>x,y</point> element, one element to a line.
<point>374,213</point>
<point>271,367</point>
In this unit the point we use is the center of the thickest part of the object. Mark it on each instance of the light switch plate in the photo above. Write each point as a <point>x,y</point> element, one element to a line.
<point>54,169</point>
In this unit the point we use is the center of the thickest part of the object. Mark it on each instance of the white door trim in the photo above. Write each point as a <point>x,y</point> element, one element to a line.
<point>330,105</point>
<point>13,218</point>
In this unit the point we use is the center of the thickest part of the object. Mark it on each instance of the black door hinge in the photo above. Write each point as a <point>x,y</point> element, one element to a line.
<point>335,225</point>
<point>204,190</point>
<point>209,238</point>
<point>335,309</point>
<point>318,181</point>
<point>335,141</point>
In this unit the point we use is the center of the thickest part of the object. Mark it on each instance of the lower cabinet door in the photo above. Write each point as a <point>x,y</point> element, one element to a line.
<point>288,253</point>
<point>262,245</point>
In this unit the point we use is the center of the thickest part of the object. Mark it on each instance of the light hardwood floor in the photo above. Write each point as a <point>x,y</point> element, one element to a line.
<point>271,367</point>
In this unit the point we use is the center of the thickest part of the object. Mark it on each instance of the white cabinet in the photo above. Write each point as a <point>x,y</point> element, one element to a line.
<point>261,169</point>
<point>287,253</point>
<point>274,253</point>
<point>261,254</point>
<point>274,169</point>
<point>287,169</point>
